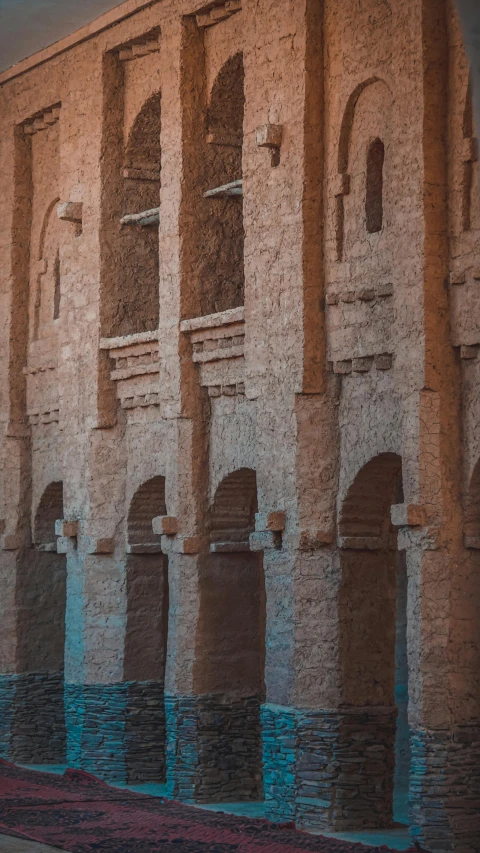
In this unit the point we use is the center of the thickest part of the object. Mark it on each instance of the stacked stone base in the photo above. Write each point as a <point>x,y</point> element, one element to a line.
<point>117,731</point>
<point>214,751</point>
<point>444,801</point>
<point>32,721</point>
<point>329,769</point>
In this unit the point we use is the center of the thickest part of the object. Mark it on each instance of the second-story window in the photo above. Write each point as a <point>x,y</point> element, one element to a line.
<point>374,190</point>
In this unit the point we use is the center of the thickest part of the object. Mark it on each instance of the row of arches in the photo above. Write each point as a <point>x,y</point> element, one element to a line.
<point>232,603</point>
<point>230,654</point>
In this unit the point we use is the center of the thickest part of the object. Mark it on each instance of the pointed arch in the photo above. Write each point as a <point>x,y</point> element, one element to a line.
<point>230,651</point>
<point>39,736</point>
<point>220,258</point>
<point>47,286</point>
<point>347,122</point>
<point>133,272</point>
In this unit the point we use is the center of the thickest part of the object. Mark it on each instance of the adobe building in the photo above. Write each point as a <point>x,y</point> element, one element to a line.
<point>240,409</point>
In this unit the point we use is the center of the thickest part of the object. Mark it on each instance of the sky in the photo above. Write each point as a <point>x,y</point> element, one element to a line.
<point>29,25</point>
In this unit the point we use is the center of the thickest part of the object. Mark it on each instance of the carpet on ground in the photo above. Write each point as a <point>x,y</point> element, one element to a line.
<point>79,813</point>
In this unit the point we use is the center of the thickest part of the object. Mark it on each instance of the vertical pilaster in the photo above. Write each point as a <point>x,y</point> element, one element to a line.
<point>182,138</point>
<point>15,448</point>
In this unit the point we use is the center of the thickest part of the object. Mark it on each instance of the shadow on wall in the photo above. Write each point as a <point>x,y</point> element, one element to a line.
<point>39,727</point>
<point>146,636</point>
<point>229,669</point>
<point>373,629</point>
<point>131,174</point>
<point>221,251</point>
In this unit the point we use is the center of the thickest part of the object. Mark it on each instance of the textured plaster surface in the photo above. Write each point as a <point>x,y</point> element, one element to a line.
<point>347,384</point>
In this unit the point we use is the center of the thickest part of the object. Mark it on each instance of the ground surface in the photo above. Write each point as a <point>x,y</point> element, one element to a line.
<point>18,845</point>
<point>397,839</point>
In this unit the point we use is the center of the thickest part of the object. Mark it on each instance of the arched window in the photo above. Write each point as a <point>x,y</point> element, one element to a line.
<point>374,193</point>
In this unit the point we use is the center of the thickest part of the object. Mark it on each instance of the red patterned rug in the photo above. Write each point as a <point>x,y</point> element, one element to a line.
<point>81,814</point>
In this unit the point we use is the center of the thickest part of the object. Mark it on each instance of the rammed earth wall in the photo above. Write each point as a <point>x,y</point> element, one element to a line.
<point>240,408</point>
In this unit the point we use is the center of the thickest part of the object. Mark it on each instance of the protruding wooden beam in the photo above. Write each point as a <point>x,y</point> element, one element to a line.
<point>234,188</point>
<point>146,217</point>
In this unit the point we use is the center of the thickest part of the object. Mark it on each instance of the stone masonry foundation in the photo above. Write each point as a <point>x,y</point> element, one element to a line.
<point>329,769</point>
<point>445,789</point>
<point>117,731</point>
<point>213,749</point>
<point>32,722</point>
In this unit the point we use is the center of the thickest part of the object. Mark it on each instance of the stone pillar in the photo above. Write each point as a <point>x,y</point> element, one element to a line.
<point>329,769</point>
<point>114,730</point>
<point>30,684</point>
<point>202,765</point>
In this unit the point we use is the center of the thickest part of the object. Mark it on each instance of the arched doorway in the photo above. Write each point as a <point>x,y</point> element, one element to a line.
<point>39,726</point>
<point>146,636</point>
<point>231,647</point>
<point>373,643</point>
<point>467,603</point>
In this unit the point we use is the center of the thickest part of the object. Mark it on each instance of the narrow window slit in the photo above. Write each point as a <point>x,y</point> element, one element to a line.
<point>374,194</point>
<point>56,292</point>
